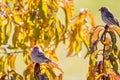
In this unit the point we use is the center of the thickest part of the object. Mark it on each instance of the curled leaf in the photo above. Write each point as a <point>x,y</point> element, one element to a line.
<point>93,22</point>
<point>95,35</point>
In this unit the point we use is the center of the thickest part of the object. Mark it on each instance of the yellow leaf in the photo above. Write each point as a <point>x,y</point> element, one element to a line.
<point>93,22</point>
<point>28,71</point>
<point>2,34</point>
<point>71,48</point>
<point>15,75</point>
<point>11,61</point>
<point>26,56</point>
<point>95,35</point>
<point>2,63</point>
<point>71,5</point>
<point>54,65</point>
<point>107,41</point>
<point>77,46</point>
<point>52,73</point>
<point>52,54</point>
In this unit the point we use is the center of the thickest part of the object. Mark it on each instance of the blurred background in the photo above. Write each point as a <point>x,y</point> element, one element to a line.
<point>76,67</point>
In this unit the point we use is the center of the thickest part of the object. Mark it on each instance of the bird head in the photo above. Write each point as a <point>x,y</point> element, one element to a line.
<point>37,49</point>
<point>104,9</point>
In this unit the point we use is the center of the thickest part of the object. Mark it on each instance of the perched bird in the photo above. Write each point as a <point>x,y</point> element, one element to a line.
<point>38,56</point>
<point>108,17</point>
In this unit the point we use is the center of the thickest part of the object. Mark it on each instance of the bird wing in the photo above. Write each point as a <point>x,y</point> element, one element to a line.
<point>112,19</point>
<point>43,57</point>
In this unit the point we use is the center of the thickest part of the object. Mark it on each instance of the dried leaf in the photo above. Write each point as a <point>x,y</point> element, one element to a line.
<point>113,75</point>
<point>60,77</point>
<point>100,76</point>
<point>95,35</point>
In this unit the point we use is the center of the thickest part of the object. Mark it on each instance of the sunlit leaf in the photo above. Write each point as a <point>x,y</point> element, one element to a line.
<point>15,75</point>
<point>2,34</point>
<point>15,36</point>
<point>52,73</point>
<point>71,5</point>
<point>28,72</point>
<point>11,61</point>
<point>54,65</point>
<point>26,57</point>
<point>107,41</point>
<point>92,66</point>
<point>67,11</point>
<point>95,35</point>
<point>86,38</point>
<point>43,9</point>
<point>56,37</point>
<point>71,48</point>
<point>93,22</point>
<point>52,54</point>
<point>78,46</point>
<point>2,63</point>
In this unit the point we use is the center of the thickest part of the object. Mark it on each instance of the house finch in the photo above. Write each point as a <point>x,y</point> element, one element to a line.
<point>37,55</point>
<point>108,17</point>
